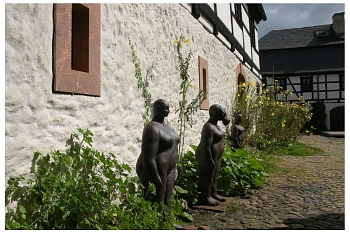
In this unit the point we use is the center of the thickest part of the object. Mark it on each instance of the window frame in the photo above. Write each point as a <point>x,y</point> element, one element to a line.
<point>306,87</point>
<point>203,82</point>
<point>279,80</point>
<point>66,79</point>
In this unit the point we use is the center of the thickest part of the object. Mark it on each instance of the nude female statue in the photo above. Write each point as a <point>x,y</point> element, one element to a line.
<point>159,155</point>
<point>237,132</point>
<point>209,155</point>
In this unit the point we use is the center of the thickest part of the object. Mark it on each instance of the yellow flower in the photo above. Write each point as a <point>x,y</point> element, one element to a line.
<point>238,95</point>
<point>263,84</point>
<point>252,83</point>
<point>272,114</point>
<point>283,125</point>
<point>176,41</point>
<point>187,41</point>
<point>192,86</point>
<point>180,46</point>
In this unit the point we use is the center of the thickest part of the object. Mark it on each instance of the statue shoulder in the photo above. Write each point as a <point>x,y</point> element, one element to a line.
<point>208,128</point>
<point>152,128</point>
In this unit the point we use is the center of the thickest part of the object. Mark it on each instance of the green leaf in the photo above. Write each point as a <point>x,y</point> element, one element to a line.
<point>188,216</point>
<point>22,209</point>
<point>180,190</point>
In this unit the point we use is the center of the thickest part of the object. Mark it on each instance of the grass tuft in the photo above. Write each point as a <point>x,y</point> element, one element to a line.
<point>299,149</point>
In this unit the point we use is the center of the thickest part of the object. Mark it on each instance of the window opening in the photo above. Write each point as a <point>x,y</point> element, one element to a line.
<point>80,38</point>
<point>306,84</point>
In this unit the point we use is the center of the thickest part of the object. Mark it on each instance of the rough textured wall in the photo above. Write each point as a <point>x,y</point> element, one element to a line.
<point>38,120</point>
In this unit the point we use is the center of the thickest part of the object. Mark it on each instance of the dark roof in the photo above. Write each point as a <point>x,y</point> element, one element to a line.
<point>306,50</point>
<point>257,11</point>
<point>300,37</point>
<point>325,59</point>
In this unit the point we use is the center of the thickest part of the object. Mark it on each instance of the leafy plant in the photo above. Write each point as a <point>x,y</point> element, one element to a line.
<point>268,117</point>
<point>186,108</point>
<point>188,177</point>
<point>240,171</point>
<point>141,84</point>
<point>81,188</point>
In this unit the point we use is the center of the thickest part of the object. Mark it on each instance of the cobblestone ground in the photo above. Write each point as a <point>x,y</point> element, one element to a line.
<point>307,193</point>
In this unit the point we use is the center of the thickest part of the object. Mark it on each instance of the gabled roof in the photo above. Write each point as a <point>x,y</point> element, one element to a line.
<point>306,50</point>
<point>309,60</point>
<point>300,37</point>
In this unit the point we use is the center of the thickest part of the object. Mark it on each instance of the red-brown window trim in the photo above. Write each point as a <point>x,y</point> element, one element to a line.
<point>66,79</point>
<point>204,82</point>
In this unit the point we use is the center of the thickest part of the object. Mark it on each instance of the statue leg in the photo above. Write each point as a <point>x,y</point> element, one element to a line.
<point>214,189</point>
<point>169,190</point>
<point>161,192</point>
<point>204,187</point>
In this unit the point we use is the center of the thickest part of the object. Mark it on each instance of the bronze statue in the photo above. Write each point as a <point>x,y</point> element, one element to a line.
<point>209,155</point>
<point>237,132</point>
<point>159,156</point>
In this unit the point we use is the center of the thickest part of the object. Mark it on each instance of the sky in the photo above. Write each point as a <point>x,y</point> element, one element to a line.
<point>291,15</point>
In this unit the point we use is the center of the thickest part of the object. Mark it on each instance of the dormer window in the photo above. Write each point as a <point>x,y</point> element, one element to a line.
<point>321,33</point>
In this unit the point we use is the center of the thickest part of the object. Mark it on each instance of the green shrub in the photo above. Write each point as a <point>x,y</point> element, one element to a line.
<point>240,171</point>
<point>268,117</point>
<point>188,177</point>
<point>80,188</point>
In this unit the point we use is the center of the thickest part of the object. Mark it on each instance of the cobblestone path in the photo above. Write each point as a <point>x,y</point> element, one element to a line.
<point>307,193</point>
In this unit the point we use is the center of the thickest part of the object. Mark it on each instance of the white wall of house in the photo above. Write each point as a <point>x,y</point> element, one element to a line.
<point>329,92</point>
<point>224,13</point>
<point>38,120</point>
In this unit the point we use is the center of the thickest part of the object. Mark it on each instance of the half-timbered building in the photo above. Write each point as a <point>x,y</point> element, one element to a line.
<point>310,62</point>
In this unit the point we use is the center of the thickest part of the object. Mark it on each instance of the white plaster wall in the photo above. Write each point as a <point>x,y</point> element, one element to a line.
<point>38,120</point>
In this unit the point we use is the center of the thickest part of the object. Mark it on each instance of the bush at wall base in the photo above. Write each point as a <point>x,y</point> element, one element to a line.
<point>80,188</point>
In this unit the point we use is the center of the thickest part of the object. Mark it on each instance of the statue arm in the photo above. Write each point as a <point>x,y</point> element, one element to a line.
<point>208,134</point>
<point>234,133</point>
<point>150,144</point>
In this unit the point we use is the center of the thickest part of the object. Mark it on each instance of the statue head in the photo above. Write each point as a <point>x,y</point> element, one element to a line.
<point>161,108</point>
<point>238,118</point>
<point>218,113</point>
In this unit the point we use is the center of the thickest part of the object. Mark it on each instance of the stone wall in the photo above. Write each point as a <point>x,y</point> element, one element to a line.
<point>36,119</point>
